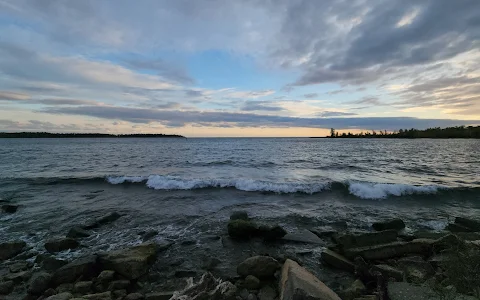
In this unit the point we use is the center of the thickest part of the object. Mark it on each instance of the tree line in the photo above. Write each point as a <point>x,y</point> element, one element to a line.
<point>458,132</point>
<point>84,135</point>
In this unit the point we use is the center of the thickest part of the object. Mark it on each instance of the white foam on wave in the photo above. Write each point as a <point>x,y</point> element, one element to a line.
<point>123,179</point>
<point>383,190</point>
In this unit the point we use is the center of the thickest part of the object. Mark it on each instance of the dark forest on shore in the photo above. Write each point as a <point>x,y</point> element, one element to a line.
<point>83,135</point>
<point>459,132</point>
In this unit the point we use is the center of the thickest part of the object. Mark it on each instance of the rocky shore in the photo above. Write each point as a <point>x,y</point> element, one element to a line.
<point>384,262</point>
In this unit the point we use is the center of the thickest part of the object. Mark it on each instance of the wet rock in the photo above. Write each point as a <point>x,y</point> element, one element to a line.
<point>61,296</point>
<point>338,261</point>
<point>396,249</point>
<point>11,249</point>
<point>119,285</point>
<point>108,218</point>
<point>159,296</point>
<point>119,294</point>
<point>208,287</point>
<point>149,234</point>
<point>251,282</point>
<point>366,239</point>
<point>456,228</point>
<point>416,269</point>
<point>86,267</point>
<point>83,287</point>
<point>272,233</point>
<point>134,296</point>
<point>64,287</point>
<point>61,244</point>
<point>258,266</point>
<point>210,263</point>
<point>395,224</point>
<point>51,264</point>
<point>355,290</point>
<point>447,242</point>
<point>252,297</point>
<point>39,283</point>
<point>239,215</point>
<point>242,229</point>
<point>324,231</point>
<point>19,266</point>
<point>105,276</point>
<point>49,292</point>
<point>267,293</point>
<point>98,296</point>
<point>18,277</point>
<point>6,287</point>
<point>303,236</point>
<point>185,273</point>
<point>131,262</point>
<point>474,225</point>
<point>297,283</point>
<point>9,208</point>
<point>77,232</point>
<point>389,272</point>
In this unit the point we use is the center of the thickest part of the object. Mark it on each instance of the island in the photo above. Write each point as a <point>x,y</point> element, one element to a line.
<point>85,135</point>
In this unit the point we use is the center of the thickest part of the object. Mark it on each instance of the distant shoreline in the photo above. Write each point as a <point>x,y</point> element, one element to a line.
<point>83,135</point>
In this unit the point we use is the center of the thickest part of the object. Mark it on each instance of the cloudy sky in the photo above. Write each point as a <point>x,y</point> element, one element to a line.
<point>238,68</point>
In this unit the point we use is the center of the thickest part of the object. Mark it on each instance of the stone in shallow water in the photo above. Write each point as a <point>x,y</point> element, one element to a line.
<point>77,232</point>
<point>395,224</point>
<point>366,239</point>
<point>11,249</point>
<point>258,266</point>
<point>303,236</point>
<point>61,244</point>
<point>9,208</point>
<point>239,215</point>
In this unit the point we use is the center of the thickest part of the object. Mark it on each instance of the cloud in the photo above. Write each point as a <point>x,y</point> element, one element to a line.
<point>18,98</point>
<point>329,114</point>
<point>260,106</point>
<point>369,100</point>
<point>214,118</point>
<point>311,95</point>
<point>35,125</point>
<point>249,94</point>
<point>164,68</point>
<point>12,96</point>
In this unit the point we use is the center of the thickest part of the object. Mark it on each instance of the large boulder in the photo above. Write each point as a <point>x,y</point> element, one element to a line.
<point>61,244</point>
<point>366,239</point>
<point>395,224</point>
<point>391,250</point>
<point>11,249</point>
<point>303,236</point>
<point>39,283</point>
<point>258,266</point>
<point>242,229</point>
<point>132,262</point>
<point>85,267</point>
<point>338,261</point>
<point>297,283</point>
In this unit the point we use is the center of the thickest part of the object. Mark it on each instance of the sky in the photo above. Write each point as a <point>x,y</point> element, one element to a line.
<point>238,68</point>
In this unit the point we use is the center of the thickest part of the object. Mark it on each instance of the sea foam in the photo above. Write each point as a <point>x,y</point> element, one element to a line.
<point>383,190</point>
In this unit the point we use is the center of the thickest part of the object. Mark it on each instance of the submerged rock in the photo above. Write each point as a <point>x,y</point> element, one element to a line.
<point>297,283</point>
<point>258,266</point>
<point>474,225</point>
<point>9,208</point>
<point>242,229</point>
<point>395,224</point>
<point>61,244</point>
<point>77,232</point>
<point>11,249</point>
<point>239,215</point>
<point>108,218</point>
<point>131,262</point>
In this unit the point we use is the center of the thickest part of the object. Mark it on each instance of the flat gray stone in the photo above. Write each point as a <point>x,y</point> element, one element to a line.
<point>303,236</point>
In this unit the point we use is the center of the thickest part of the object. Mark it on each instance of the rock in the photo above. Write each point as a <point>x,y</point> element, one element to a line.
<point>251,297</point>
<point>258,266</point>
<point>83,287</point>
<point>210,263</point>
<point>119,285</point>
<point>416,269</point>
<point>61,296</point>
<point>267,293</point>
<point>324,231</point>
<point>19,266</point>
<point>11,249</point>
<point>18,277</point>
<point>86,267</point>
<point>149,234</point>
<point>39,283</point>
<point>395,224</point>
<point>242,229</point>
<point>366,239</point>
<point>159,296</point>
<point>338,261</point>
<point>303,236</point>
<point>474,225</point>
<point>51,264</point>
<point>98,296</point>
<point>208,288</point>
<point>355,290</point>
<point>251,282</point>
<point>64,287</point>
<point>9,208</point>
<point>456,228</point>
<point>239,215</point>
<point>77,232</point>
<point>132,262</point>
<point>49,292</point>
<point>106,276</point>
<point>396,249</point>
<point>297,283</point>
<point>185,273</point>
<point>272,233</point>
<point>61,244</point>
<point>119,294</point>
<point>389,272</point>
<point>134,296</point>
<point>407,291</point>
<point>447,242</point>
<point>108,218</point>
<point>6,287</point>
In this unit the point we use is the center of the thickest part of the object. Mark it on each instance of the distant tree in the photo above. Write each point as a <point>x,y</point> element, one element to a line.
<point>332,132</point>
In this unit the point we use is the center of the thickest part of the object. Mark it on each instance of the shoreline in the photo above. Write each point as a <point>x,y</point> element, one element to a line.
<point>356,264</point>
